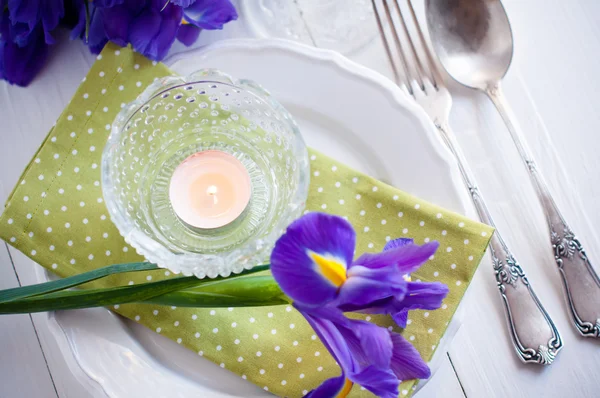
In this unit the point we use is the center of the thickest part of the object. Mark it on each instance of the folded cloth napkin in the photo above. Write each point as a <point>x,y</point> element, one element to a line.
<point>57,217</point>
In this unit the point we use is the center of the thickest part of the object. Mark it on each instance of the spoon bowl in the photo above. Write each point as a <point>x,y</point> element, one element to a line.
<point>472,38</point>
<point>474,43</point>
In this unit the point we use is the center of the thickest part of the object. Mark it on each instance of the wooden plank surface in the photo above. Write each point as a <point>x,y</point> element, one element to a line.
<point>23,369</point>
<point>552,86</point>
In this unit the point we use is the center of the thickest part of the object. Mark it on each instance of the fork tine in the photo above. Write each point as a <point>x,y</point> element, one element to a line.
<point>435,74</point>
<point>420,70</point>
<point>386,44</point>
<point>399,47</point>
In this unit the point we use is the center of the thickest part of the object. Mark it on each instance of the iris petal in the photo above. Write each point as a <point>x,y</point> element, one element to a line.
<point>210,14</point>
<point>153,31</point>
<point>188,34</point>
<point>365,286</point>
<point>116,21</point>
<point>21,64</point>
<point>425,295</point>
<point>294,269</point>
<point>363,350</point>
<point>399,242</point>
<point>382,383</point>
<point>369,344</point>
<point>324,321</point>
<point>24,11</point>
<point>183,3</point>
<point>329,388</point>
<point>401,318</point>
<point>107,3</point>
<point>52,12</point>
<point>407,257</point>
<point>407,363</point>
<point>419,295</point>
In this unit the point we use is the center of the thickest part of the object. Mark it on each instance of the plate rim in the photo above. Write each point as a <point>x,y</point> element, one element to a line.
<point>395,92</point>
<point>399,98</point>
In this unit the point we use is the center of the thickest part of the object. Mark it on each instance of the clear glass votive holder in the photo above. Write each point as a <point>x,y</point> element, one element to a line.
<point>177,117</point>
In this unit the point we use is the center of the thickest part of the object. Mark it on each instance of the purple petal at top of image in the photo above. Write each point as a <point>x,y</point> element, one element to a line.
<point>153,31</point>
<point>210,14</point>
<point>107,3</point>
<point>75,18</point>
<point>32,11</point>
<point>18,33</point>
<point>188,34</point>
<point>117,20</point>
<point>24,11</point>
<point>183,3</point>
<point>19,65</point>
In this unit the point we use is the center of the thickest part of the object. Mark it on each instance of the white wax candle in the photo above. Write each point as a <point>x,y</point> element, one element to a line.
<point>210,189</point>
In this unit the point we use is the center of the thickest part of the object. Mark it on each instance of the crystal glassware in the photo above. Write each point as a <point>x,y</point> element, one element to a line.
<point>176,117</point>
<point>341,25</point>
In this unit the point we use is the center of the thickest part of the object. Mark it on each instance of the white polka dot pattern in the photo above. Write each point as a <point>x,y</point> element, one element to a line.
<point>56,216</point>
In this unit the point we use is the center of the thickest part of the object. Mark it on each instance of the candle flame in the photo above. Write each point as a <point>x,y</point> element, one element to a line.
<point>212,191</point>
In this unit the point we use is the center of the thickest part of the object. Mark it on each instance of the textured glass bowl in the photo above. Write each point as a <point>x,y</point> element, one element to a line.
<point>341,25</point>
<point>176,117</point>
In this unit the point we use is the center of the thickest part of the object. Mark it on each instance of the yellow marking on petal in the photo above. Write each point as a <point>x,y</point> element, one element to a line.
<point>331,269</point>
<point>184,22</point>
<point>346,389</point>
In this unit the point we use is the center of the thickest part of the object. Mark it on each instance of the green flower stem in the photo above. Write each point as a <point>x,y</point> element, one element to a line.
<point>72,281</point>
<point>219,292</point>
<point>69,300</point>
<point>252,291</point>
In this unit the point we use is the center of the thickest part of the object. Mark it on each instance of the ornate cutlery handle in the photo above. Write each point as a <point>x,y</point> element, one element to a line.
<point>580,281</point>
<point>533,333</point>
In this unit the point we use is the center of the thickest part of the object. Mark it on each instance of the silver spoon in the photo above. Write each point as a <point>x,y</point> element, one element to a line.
<point>474,43</point>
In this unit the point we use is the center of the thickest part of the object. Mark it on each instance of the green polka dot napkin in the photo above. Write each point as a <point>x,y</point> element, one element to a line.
<point>56,216</point>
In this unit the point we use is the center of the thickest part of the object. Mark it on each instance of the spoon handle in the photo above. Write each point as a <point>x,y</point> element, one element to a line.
<point>533,333</point>
<point>580,281</point>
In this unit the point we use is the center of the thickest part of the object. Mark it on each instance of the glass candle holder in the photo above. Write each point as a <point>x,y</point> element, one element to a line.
<point>251,165</point>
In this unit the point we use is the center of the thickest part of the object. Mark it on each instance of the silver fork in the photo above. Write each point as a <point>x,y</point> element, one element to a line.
<point>533,333</point>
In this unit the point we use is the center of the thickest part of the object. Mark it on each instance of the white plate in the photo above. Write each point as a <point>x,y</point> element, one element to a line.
<point>345,110</point>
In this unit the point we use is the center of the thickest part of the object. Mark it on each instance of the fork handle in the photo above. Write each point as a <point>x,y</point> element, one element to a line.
<point>533,333</point>
<point>580,281</point>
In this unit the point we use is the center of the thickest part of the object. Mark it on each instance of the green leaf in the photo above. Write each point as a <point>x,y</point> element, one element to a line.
<point>250,291</point>
<point>64,300</point>
<point>68,300</point>
<point>72,281</point>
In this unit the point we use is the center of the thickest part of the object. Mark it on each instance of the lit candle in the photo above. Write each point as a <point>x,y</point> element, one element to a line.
<point>210,189</point>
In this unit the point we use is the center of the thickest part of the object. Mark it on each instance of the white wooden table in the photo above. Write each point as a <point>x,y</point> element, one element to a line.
<point>553,87</point>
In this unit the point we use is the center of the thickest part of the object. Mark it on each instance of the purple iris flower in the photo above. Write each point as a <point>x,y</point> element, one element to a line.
<point>369,355</point>
<point>107,3</point>
<point>150,26</point>
<point>312,263</point>
<point>183,3</point>
<point>203,14</point>
<point>417,295</point>
<point>23,52</point>
<point>31,12</point>
<point>209,14</point>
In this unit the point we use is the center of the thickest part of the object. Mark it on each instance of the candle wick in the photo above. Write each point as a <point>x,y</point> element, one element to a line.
<point>212,191</point>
